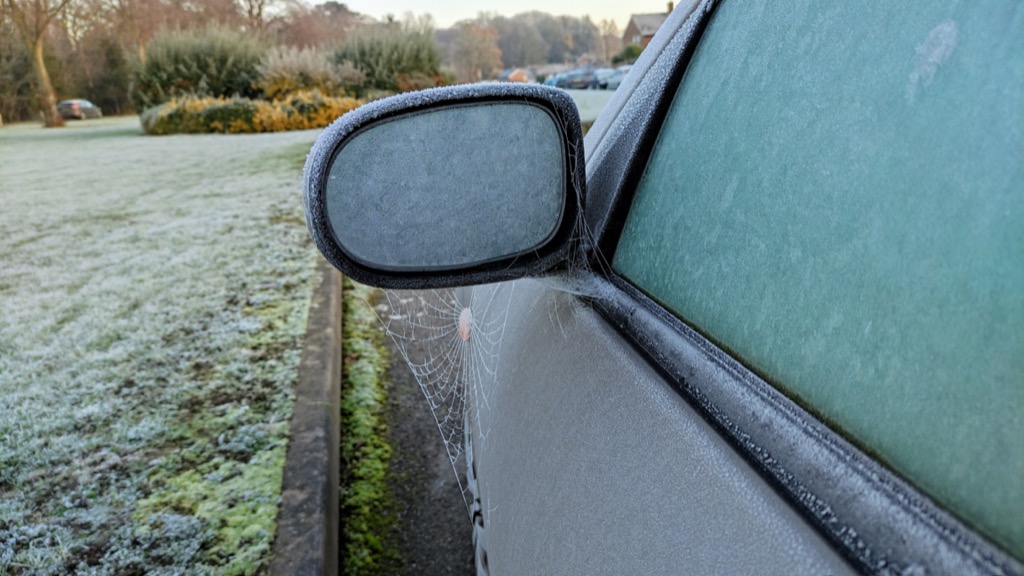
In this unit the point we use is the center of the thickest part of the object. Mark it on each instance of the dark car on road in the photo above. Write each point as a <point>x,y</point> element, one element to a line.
<point>78,110</point>
<point>599,78</point>
<point>614,80</point>
<point>765,319</point>
<point>578,79</point>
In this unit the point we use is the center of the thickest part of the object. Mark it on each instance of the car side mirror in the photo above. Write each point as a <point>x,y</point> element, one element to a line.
<point>451,186</point>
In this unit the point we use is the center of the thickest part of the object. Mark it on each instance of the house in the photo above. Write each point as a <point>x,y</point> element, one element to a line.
<point>641,27</point>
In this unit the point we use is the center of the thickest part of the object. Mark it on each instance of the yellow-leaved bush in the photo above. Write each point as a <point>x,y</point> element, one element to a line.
<point>196,115</point>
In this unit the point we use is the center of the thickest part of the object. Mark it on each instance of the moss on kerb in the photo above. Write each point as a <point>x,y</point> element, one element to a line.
<point>367,503</point>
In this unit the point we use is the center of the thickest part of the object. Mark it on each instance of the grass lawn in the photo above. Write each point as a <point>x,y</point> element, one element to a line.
<point>153,295</point>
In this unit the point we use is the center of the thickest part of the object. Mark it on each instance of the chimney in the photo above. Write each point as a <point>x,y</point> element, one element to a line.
<point>671,5</point>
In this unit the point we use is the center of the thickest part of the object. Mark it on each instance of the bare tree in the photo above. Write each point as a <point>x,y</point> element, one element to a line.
<point>32,18</point>
<point>135,22</point>
<point>611,39</point>
<point>221,13</point>
<point>324,24</point>
<point>75,21</point>
<point>255,13</point>
<point>476,53</point>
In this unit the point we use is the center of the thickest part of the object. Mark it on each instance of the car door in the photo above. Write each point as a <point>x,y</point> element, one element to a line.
<point>790,343</point>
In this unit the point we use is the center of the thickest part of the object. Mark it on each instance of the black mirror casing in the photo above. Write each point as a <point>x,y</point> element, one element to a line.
<point>447,187</point>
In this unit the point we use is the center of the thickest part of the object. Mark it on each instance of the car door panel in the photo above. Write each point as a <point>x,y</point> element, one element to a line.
<point>590,463</point>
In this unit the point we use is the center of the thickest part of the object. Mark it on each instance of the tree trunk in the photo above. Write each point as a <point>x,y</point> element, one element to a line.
<point>47,98</point>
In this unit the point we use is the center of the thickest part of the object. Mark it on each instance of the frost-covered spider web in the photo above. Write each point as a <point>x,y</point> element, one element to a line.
<point>451,341</point>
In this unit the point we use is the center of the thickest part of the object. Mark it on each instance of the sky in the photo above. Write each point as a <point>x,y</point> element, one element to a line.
<point>447,12</point>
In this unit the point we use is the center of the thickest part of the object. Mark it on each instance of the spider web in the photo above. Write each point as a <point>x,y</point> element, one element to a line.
<point>451,340</point>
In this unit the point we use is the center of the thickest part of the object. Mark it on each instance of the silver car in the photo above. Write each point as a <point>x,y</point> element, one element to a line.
<point>78,110</point>
<point>764,319</point>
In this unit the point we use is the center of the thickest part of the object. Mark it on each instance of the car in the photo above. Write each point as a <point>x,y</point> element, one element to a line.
<point>552,80</point>
<point>764,319</point>
<point>599,78</point>
<point>78,110</point>
<point>613,81</point>
<point>575,79</point>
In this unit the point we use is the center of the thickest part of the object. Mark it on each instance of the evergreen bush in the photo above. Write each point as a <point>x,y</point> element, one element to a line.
<point>628,55</point>
<point>287,70</point>
<point>214,62</point>
<point>197,115</point>
<point>393,57</point>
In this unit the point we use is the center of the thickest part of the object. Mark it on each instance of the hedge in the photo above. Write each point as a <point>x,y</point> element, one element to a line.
<point>196,115</point>
<point>213,62</point>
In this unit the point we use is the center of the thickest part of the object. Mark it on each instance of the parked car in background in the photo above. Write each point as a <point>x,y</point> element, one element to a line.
<point>577,79</point>
<point>78,109</point>
<point>613,81</point>
<point>599,78</point>
<point>552,80</point>
<point>517,75</point>
<point>765,319</point>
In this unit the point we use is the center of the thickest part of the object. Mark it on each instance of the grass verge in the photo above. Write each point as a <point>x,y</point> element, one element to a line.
<point>367,503</point>
<point>154,297</point>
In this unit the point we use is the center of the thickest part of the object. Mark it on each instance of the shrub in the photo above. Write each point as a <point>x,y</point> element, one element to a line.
<point>393,57</point>
<point>305,110</point>
<point>196,115</point>
<point>212,62</point>
<point>415,81</point>
<point>352,79</point>
<point>179,115</point>
<point>628,55</point>
<point>229,117</point>
<point>286,70</point>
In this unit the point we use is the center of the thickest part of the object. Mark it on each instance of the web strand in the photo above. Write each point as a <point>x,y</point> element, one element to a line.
<point>450,340</point>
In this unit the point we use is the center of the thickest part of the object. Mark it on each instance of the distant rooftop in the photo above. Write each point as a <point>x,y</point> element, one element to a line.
<point>648,24</point>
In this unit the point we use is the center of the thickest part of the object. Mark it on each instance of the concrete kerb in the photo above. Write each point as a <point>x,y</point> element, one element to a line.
<point>308,518</point>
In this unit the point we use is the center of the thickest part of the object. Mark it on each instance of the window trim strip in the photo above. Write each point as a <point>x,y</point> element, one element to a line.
<point>876,520</point>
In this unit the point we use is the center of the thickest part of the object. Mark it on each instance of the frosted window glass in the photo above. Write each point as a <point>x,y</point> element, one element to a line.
<point>837,197</point>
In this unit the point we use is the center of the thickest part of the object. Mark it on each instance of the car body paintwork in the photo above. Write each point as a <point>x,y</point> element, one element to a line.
<point>589,462</point>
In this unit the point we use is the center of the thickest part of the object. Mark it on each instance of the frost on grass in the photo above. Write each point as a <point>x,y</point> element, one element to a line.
<point>152,294</point>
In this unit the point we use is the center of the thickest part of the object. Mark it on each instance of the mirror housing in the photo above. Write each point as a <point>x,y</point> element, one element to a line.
<point>448,187</point>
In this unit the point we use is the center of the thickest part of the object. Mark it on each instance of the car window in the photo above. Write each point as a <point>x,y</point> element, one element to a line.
<point>836,198</point>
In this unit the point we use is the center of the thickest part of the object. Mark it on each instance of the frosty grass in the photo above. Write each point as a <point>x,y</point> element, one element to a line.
<point>153,294</point>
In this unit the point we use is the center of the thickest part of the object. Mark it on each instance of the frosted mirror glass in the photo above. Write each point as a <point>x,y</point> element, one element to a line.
<point>448,187</point>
